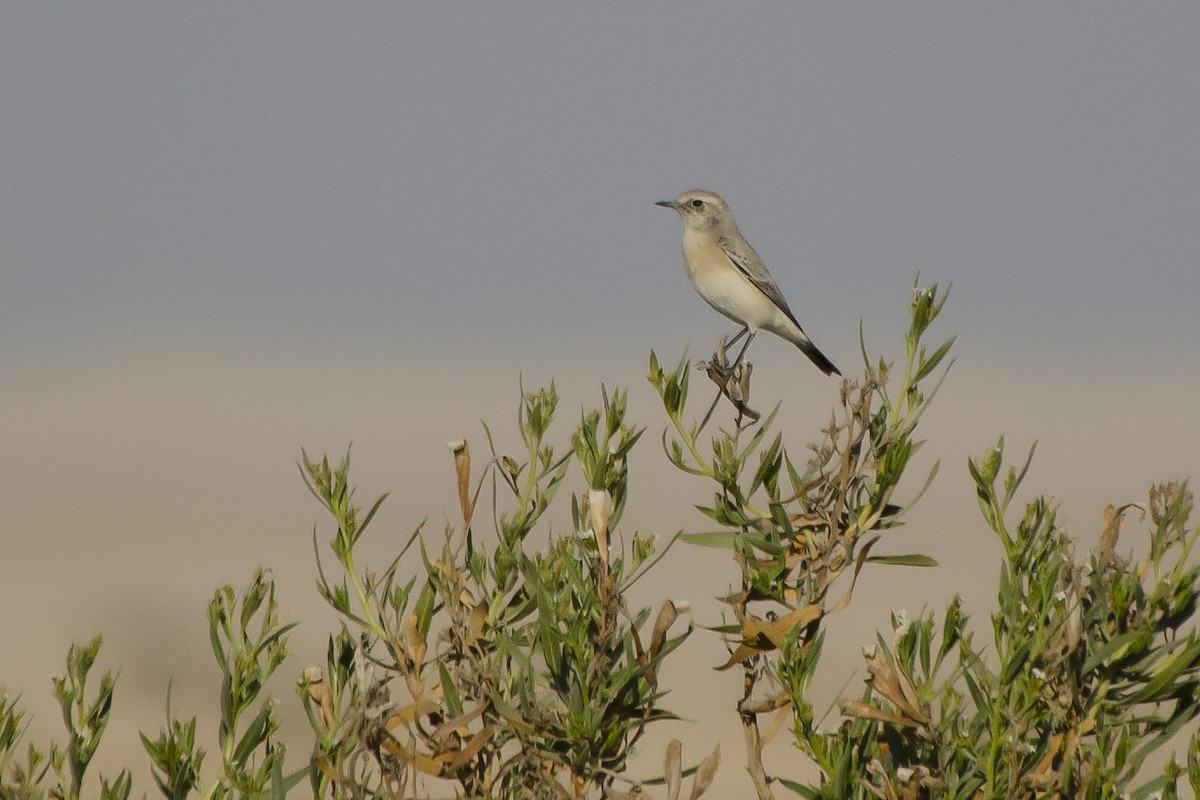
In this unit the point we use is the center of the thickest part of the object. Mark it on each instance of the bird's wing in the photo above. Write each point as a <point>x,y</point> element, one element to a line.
<point>742,256</point>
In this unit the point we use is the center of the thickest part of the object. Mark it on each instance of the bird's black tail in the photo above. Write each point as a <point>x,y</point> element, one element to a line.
<point>817,357</point>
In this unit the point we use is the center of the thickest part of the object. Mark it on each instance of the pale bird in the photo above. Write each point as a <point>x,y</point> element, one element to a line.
<point>731,277</point>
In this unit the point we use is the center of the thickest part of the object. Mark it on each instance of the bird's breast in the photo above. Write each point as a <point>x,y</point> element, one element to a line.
<point>722,285</point>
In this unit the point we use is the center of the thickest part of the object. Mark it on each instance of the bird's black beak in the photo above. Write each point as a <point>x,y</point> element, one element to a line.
<point>666,203</point>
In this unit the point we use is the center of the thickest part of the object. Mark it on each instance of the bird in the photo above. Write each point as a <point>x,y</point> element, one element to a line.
<point>730,276</point>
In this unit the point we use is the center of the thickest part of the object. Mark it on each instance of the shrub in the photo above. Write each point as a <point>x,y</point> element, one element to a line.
<point>508,670</point>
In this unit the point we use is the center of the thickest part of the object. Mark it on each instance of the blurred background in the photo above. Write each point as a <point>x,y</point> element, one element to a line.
<point>230,231</point>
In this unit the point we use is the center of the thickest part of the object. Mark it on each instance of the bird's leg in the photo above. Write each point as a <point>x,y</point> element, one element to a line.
<point>745,347</point>
<point>739,335</point>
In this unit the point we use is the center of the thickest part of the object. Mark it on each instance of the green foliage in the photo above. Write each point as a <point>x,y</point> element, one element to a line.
<point>523,672</point>
<point>85,719</point>
<point>795,534</point>
<point>175,756</point>
<point>1093,666</point>
<point>502,660</point>
<point>249,644</point>
<point>1088,673</point>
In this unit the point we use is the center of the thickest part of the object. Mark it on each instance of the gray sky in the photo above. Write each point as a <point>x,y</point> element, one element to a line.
<point>230,230</point>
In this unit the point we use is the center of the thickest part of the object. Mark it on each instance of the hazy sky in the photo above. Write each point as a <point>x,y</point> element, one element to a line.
<point>230,230</point>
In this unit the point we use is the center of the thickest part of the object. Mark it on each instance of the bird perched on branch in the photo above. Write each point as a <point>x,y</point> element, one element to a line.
<point>731,277</point>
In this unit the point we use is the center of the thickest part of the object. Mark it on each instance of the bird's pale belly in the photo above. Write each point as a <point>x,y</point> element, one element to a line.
<point>731,294</point>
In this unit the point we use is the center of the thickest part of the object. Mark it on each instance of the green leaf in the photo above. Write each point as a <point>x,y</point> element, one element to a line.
<point>1161,685</point>
<point>1130,642</point>
<point>261,727</point>
<point>727,539</point>
<point>931,362</point>
<point>1014,478</point>
<point>908,560</point>
<point>1193,763</point>
<point>800,789</point>
<point>281,784</point>
<point>424,607</point>
<point>450,692</point>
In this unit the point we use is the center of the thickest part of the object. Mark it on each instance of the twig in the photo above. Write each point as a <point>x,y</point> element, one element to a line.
<point>733,382</point>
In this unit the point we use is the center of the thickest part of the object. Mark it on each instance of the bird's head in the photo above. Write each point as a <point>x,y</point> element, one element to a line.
<point>701,209</point>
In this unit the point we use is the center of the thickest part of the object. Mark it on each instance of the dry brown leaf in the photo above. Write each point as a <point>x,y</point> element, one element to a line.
<point>430,765</point>
<point>1113,519</point>
<point>782,713</point>
<point>471,748</point>
<point>882,677</point>
<point>598,502</point>
<point>478,620</point>
<point>318,692</point>
<point>673,768</point>
<point>410,713</point>
<point>459,722</point>
<point>666,618</point>
<point>705,773</point>
<point>742,653</point>
<point>857,708</point>
<point>462,469</point>
<point>779,630</point>
<point>416,640</point>
<point>893,685</point>
<point>1046,765</point>
<point>911,698</point>
<point>762,636</point>
<point>756,629</point>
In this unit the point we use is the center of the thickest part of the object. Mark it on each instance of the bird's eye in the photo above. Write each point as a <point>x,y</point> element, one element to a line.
<point>697,204</point>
